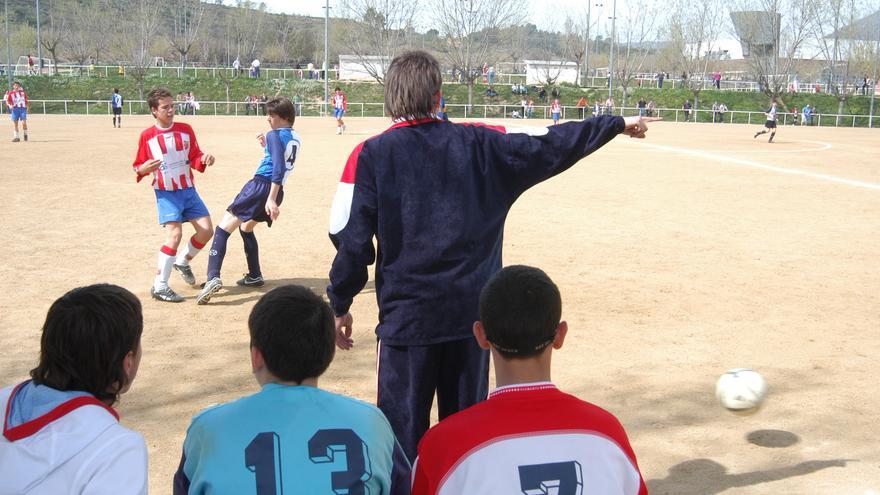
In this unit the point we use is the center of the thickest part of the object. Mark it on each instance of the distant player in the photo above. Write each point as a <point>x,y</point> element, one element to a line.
<point>258,200</point>
<point>169,151</point>
<point>555,111</point>
<point>340,104</point>
<point>770,124</point>
<point>528,436</point>
<point>435,195</point>
<point>116,102</point>
<point>291,433</point>
<point>18,104</point>
<point>60,431</point>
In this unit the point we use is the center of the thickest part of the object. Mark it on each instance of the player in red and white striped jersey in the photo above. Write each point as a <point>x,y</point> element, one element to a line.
<point>528,437</point>
<point>340,105</point>
<point>17,102</point>
<point>169,151</point>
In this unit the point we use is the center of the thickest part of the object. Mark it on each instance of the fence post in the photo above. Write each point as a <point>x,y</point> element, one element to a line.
<point>65,107</point>
<point>44,108</point>
<point>87,107</point>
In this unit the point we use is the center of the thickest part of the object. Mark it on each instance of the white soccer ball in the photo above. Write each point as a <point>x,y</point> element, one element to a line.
<point>741,390</point>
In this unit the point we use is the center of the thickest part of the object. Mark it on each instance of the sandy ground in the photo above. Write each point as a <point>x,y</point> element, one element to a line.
<point>680,256</point>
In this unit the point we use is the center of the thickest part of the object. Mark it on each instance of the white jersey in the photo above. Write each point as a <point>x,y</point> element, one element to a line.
<point>77,447</point>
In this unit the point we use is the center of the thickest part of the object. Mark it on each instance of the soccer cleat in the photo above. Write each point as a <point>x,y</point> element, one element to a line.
<point>211,288</point>
<point>186,273</point>
<point>756,135</point>
<point>165,294</point>
<point>15,140</point>
<point>25,137</point>
<point>343,127</point>
<point>249,281</point>
<point>338,131</point>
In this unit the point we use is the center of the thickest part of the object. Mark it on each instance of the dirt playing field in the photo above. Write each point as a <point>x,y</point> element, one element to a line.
<point>696,250</point>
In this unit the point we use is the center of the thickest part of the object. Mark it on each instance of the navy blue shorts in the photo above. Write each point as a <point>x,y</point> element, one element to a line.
<point>250,204</point>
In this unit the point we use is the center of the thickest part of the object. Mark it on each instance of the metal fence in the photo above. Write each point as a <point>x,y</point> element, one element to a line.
<point>313,109</point>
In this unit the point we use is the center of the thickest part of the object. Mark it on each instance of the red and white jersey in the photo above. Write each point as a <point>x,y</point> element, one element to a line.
<point>16,99</point>
<point>528,438</point>
<point>179,152</point>
<point>340,101</point>
<point>554,107</point>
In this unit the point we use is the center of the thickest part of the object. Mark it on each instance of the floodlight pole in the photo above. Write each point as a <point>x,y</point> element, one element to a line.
<point>326,53</point>
<point>873,87</point>
<point>39,45</point>
<point>587,46</point>
<point>611,56</point>
<point>8,46</point>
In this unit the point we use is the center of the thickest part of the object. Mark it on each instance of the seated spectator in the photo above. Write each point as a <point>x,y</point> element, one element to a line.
<point>542,94</point>
<point>649,109</point>
<point>515,114</point>
<point>61,433</point>
<point>292,342</point>
<point>490,92</point>
<point>528,432</point>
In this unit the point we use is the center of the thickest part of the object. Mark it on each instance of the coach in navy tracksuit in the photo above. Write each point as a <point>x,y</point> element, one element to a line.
<point>435,195</point>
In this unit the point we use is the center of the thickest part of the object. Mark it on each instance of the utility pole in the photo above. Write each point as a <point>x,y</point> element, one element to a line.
<point>873,88</point>
<point>326,52</point>
<point>611,56</point>
<point>39,45</point>
<point>587,46</point>
<point>8,46</point>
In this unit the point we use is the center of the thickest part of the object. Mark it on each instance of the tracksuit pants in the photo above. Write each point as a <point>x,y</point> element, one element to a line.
<point>457,370</point>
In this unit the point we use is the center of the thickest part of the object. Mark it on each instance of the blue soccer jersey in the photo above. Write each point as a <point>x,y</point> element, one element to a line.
<point>279,154</point>
<point>292,439</point>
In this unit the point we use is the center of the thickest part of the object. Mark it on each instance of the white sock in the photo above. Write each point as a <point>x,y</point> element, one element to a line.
<point>192,249</point>
<point>15,134</point>
<point>163,272</point>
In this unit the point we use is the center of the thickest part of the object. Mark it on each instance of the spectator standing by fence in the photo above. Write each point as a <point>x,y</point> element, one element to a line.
<point>236,67</point>
<point>717,78</point>
<point>687,110</point>
<point>255,68</point>
<point>660,77</point>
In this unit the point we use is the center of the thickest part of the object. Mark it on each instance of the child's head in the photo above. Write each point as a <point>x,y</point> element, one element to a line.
<point>91,342</point>
<point>116,90</point>
<point>412,85</point>
<point>161,105</point>
<point>281,112</point>
<point>520,309</point>
<point>293,330</point>
<point>16,85</point>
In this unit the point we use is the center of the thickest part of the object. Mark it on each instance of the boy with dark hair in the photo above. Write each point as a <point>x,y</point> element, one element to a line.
<point>116,101</point>
<point>60,433</point>
<point>340,105</point>
<point>258,200</point>
<point>527,428</point>
<point>770,124</point>
<point>169,151</point>
<point>435,195</point>
<point>239,446</point>
<point>17,102</point>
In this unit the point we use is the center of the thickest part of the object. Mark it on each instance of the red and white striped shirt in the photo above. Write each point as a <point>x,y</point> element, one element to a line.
<point>528,438</point>
<point>554,107</point>
<point>16,99</point>
<point>179,152</point>
<point>340,101</point>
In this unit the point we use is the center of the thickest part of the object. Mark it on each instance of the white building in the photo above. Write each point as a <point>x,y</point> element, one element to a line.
<point>540,71</point>
<point>354,68</point>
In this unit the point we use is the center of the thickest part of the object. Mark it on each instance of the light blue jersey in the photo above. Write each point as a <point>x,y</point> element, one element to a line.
<point>279,154</point>
<point>291,440</point>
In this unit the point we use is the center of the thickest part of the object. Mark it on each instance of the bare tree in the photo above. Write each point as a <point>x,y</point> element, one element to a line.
<point>246,27</point>
<point>137,33</point>
<point>638,30</point>
<point>694,29</point>
<point>88,22</point>
<point>772,33</point>
<point>379,31</point>
<point>186,21</point>
<point>837,46</point>
<point>573,43</point>
<point>54,30</point>
<point>470,28</point>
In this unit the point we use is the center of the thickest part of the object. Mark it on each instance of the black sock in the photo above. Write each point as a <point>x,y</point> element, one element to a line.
<point>217,253</point>
<point>252,253</point>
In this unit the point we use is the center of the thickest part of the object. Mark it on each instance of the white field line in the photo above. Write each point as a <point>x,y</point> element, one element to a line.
<point>759,165</point>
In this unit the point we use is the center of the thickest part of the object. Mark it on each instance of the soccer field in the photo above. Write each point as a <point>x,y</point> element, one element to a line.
<point>680,256</point>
